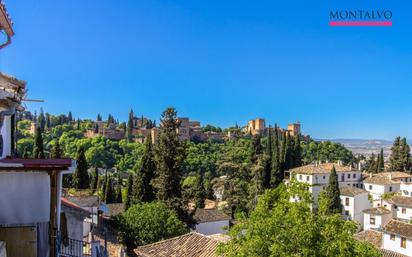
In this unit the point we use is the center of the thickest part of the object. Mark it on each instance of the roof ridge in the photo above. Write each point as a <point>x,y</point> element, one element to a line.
<point>173,238</point>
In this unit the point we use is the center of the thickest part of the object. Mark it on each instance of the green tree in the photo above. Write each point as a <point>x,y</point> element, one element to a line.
<point>41,120</point>
<point>38,152</point>
<point>143,190</point>
<point>400,159</point>
<point>81,178</point>
<point>276,173</point>
<point>147,223</point>
<point>129,188</point>
<point>56,151</point>
<point>268,160</point>
<point>280,228</point>
<point>110,192</point>
<point>256,150</point>
<point>26,153</point>
<point>129,129</point>
<point>119,198</point>
<point>200,194</point>
<point>329,199</point>
<point>169,155</point>
<point>94,180</point>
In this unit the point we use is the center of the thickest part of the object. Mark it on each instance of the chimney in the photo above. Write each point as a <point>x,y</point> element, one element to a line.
<point>359,166</point>
<point>370,174</point>
<point>390,175</point>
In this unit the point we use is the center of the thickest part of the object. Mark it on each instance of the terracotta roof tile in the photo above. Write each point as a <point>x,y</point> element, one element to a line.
<point>351,191</point>
<point>321,168</point>
<point>399,200</point>
<point>371,236</point>
<point>387,253</point>
<point>399,228</point>
<point>187,245</point>
<point>386,178</point>
<point>209,215</point>
<point>377,211</point>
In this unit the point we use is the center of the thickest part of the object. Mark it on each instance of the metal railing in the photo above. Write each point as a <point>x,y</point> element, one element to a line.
<point>74,248</point>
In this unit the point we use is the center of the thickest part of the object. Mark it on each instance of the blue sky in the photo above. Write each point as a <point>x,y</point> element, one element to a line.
<point>219,62</point>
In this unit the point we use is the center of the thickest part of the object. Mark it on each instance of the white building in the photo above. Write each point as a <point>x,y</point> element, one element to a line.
<point>317,176</point>
<point>401,207</point>
<point>376,218</point>
<point>385,182</point>
<point>354,201</point>
<point>406,189</point>
<point>211,221</point>
<point>397,237</point>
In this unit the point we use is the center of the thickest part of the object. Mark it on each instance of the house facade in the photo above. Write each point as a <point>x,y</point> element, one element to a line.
<point>211,221</point>
<point>397,237</point>
<point>354,201</point>
<point>317,177</point>
<point>386,182</point>
<point>376,218</point>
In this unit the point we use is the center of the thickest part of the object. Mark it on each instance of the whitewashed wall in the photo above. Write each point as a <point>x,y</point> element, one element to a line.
<point>395,245</point>
<point>24,197</point>
<point>211,228</point>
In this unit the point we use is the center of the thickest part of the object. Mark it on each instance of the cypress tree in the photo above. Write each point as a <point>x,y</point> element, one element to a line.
<point>129,192</point>
<point>78,124</point>
<point>297,152</point>
<point>70,117</point>
<point>48,123</point>
<point>395,158</point>
<point>41,121</point>
<point>406,161</point>
<point>381,162</point>
<point>56,151</point>
<point>129,129</point>
<point>110,196</point>
<point>200,194</point>
<point>331,196</point>
<point>119,198</point>
<point>99,117</point>
<point>170,154</point>
<point>142,185</point>
<point>256,150</point>
<point>276,173</point>
<point>38,151</point>
<point>268,160</point>
<point>95,180</point>
<point>81,178</point>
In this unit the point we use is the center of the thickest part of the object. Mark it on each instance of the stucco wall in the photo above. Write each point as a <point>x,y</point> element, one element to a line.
<point>24,197</point>
<point>395,245</point>
<point>210,228</point>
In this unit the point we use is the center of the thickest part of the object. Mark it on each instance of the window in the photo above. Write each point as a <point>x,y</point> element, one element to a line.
<point>354,175</point>
<point>403,242</point>
<point>392,237</point>
<point>354,185</point>
<point>372,220</point>
<point>403,210</point>
<point>370,187</point>
<point>307,178</point>
<point>300,177</point>
<point>390,189</point>
<point>348,175</point>
<point>347,213</point>
<point>347,201</point>
<point>324,177</point>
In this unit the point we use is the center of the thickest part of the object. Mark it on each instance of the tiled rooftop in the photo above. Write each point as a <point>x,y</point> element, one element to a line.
<point>187,245</point>
<point>399,228</point>
<point>351,191</point>
<point>377,211</point>
<point>405,201</point>
<point>209,215</point>
<point>386,178</point>
<point>321,168</point>
<point>371,236</point>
